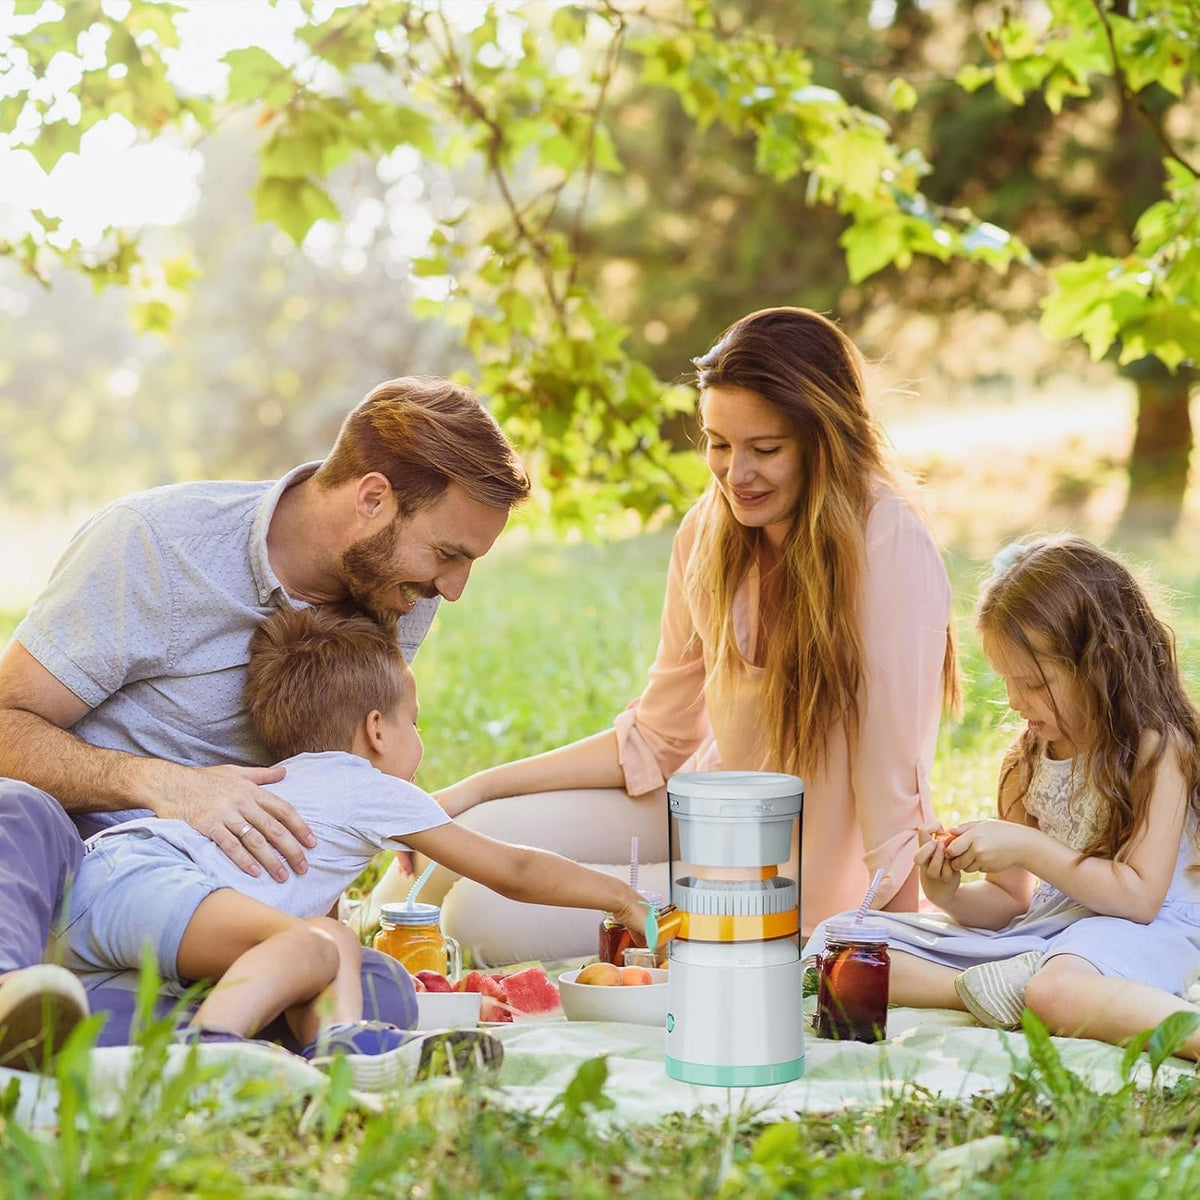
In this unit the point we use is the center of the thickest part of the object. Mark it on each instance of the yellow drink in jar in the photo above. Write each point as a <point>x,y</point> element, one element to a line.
<point>413,937</point>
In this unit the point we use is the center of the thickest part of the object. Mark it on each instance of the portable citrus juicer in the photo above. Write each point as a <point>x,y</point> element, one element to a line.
<point>735,999</point>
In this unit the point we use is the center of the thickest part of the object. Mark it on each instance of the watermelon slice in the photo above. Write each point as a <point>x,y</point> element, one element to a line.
<point>494,1006</point>
<point>530,993</point>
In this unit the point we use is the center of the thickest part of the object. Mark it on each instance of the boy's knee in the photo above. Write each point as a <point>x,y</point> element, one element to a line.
<point>341,937</point>
<point>316,949</point>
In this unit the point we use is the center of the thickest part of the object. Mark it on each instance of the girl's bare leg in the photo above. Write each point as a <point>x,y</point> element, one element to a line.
<point>268,963</point>
<point>918,983</point>
<point>1072,999</point>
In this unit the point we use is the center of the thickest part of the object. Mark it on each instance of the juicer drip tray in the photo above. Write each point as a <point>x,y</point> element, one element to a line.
<point>734,898</point>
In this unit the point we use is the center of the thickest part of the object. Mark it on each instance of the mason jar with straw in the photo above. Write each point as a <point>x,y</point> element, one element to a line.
<point>853,976</point>
<point>412,934</point>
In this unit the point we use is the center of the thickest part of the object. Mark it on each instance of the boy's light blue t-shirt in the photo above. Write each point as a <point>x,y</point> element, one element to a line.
<point>148,617</point>
<point>354,809</point>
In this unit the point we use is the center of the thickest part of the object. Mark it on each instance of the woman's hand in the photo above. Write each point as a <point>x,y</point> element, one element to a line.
<point>458,797</point>
<point>939,880</point>
<point>989,846</point>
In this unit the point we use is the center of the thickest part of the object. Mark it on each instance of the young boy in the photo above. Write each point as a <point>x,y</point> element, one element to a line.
<point>332,697</point>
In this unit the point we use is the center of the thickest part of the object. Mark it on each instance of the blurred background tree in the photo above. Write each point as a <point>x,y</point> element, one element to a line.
<point>609,185</point>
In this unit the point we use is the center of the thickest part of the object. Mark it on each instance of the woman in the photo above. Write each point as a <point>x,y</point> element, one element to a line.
<point>806,628</point>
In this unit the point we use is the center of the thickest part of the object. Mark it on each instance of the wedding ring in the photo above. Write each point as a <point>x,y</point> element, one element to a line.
<point>244,830</point>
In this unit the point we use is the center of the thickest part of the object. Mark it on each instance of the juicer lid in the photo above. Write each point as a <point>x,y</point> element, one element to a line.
<point>735,794</point>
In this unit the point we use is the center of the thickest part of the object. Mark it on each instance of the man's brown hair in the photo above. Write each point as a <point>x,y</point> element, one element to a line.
<point>314,676</point>
<point>422,435</point>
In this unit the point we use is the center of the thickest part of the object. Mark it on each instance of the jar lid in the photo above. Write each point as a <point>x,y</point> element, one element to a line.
<point>419,914</point>
<point>850,930</point>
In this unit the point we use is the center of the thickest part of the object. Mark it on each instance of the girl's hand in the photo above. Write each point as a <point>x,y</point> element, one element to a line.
<point>989,846</point>
<point>939,880</point>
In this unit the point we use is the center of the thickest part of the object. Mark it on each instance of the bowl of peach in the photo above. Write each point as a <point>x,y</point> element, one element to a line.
<point>602,992</point>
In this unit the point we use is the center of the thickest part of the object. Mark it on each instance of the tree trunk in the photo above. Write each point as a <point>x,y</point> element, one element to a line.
<point>1162,446</point>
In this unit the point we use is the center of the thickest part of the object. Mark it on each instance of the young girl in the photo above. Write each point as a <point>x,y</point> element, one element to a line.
<point>1089,911</point>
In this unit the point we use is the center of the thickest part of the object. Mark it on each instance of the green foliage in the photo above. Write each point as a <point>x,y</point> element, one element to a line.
<point>1147,299</point>
<point>525,100</point>
<point>116,1141</point>
<point>783,1162</point>
<point>584,1095</point>
<point>131,81</point>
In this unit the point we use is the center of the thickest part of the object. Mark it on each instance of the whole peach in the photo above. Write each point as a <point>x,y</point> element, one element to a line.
<point>601,973</point>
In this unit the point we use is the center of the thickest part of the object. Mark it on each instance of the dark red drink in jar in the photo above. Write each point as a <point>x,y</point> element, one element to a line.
<point>852,992</point>
<point>615,939</point>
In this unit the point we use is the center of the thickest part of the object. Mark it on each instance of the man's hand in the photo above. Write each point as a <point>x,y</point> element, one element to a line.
<point>939,880</point>
<point>990,846</point>
<point>221,802</point>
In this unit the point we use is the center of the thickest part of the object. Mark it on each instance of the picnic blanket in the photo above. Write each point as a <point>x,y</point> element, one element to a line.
<point>939,1052</point>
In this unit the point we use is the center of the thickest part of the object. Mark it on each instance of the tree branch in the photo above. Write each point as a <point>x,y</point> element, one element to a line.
<point>611,58</point>
<point>1129,96</point>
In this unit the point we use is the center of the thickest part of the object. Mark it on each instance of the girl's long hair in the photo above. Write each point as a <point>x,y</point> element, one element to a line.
<point>1065,600</point>
<point>802,364</point>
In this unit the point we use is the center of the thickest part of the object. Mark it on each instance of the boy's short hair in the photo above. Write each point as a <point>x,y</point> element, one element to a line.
<point>314,676</point>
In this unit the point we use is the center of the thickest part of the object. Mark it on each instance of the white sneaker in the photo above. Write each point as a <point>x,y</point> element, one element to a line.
<point>994,992</point>
<point>39,1006</point>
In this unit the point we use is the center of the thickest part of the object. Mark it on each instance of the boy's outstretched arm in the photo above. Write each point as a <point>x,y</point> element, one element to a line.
<point>529,875</point>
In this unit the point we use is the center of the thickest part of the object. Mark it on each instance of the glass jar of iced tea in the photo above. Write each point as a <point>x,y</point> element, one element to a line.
<point>615,939</point>
<point>413,937</point>
<point>852,990</point>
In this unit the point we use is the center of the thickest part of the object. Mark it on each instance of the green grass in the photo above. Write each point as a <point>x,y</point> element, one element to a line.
<point>547,645</point>
<point>194,1132</point>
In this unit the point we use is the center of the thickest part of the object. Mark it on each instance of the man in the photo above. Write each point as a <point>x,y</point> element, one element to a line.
<point>121,692</point>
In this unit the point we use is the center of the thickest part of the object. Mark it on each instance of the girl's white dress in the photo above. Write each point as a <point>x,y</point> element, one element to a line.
<point>1165,952</point>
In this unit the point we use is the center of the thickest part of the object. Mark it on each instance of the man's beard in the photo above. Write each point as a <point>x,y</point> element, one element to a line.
<point>369,576</point>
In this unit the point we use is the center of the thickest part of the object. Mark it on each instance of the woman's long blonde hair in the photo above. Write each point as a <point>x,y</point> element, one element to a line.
<point>1066,600</point>
<point>802,364</point>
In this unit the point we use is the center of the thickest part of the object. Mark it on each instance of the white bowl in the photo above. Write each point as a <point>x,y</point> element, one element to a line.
<point>448,1010</point>
<point>644,1004</point>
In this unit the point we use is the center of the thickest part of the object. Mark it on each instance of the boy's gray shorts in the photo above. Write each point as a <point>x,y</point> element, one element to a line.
<point>132,891</point>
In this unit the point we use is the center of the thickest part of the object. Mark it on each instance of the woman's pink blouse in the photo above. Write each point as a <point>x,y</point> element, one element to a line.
<point>861,809</point>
